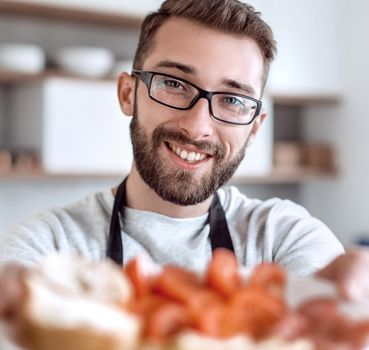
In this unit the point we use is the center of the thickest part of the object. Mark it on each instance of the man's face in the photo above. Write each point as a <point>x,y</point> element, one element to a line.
<point>186,155</point>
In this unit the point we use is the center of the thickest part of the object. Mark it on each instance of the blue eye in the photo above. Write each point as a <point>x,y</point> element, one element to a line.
<point>173,84</point>
<point>233,100</point>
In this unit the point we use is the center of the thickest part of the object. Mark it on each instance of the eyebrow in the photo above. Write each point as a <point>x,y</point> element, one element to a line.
<point>180,66</point>
<point>241,86</point>
<point>231,83</point>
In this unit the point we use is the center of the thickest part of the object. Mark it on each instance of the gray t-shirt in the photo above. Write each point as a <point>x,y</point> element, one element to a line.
<point>273,230</point>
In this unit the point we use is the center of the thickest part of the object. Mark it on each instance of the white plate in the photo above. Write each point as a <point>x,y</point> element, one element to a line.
<point>300,289</point>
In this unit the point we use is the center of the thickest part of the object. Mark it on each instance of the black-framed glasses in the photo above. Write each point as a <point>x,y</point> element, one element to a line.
<point>173,92</point>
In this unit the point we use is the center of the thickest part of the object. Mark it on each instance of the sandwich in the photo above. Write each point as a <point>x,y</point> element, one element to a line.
<point>68,302</point>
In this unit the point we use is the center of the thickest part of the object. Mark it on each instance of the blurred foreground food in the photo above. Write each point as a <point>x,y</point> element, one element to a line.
<point>70,303</point>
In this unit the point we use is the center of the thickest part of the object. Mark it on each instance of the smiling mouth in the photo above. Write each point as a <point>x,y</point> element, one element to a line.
<point>189,156</point>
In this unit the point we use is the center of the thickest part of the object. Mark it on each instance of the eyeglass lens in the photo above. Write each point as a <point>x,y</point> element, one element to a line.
<point>179,94</point>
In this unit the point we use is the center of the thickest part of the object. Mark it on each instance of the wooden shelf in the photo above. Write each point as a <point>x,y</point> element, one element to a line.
<point>70,14</point>
<point>286,176</point>
<point>15,77</point>
<point>276,177</point>
<point>41,175</point>
<point>305,99</point>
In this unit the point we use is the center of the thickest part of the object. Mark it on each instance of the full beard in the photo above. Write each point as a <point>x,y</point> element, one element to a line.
<point>179,186</point>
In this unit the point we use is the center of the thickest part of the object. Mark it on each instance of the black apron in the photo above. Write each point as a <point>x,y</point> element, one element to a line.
<point>219,233</point>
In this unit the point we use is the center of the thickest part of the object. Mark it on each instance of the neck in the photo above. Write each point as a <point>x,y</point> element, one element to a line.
<point>141,196</point>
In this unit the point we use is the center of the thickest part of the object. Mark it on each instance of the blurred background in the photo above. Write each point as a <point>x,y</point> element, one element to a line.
<point>63,136</point>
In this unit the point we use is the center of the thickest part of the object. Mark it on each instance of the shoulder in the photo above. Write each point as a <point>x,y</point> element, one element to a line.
<point>55,229</point>
<point>87,209</point>
<point>234,201</point>
<point>279,230</point>
<point>96,205</point>
<point>273,218</point>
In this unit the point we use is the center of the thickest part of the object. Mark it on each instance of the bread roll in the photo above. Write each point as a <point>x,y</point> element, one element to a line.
<point>71,303</point>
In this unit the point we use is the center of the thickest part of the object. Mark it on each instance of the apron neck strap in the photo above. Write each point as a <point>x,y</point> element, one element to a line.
<point>115,244</point>
<point>219,233</point>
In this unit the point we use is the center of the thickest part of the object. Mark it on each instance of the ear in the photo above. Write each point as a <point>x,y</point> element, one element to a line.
<point>256,126</point>
<point>126,92</point>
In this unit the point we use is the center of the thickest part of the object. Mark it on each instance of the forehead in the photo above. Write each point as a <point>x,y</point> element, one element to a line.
<point>214,55</point>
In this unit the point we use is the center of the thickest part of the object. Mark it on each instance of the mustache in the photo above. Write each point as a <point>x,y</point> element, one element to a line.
<point>161,133</point>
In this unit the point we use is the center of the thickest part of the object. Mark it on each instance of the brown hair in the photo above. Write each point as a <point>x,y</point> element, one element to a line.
<point>229,16</point>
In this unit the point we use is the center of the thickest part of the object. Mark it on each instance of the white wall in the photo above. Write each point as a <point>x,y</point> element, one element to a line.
<point>19,199</point>
<point>2,119</point>
<point>136,7</point>
<point>343,203</point>
<point>308,60</point>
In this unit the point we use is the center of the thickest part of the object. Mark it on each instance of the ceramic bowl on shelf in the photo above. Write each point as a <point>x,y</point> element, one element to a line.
<point>122,66</point>
<point>87,61</point>
<point>23,58</point>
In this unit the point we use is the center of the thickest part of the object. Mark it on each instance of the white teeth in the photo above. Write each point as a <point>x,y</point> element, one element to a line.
<point>189,156</point>
<point>184,154</point>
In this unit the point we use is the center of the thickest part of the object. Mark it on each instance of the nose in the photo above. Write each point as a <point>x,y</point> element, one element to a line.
<point>197,122</point>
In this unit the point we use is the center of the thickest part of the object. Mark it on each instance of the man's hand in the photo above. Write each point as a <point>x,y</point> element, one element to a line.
<point>11,289</point>
<point>350,273</point>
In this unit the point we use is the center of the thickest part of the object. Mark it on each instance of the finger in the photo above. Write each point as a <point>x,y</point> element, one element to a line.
<point>11,288</point>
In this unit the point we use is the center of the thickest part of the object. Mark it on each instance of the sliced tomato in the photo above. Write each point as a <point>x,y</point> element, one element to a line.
<point>210,320</point>
<point>271,278</point>
<point>327,326</point>
<point>201,299</point>
<point>334,334</point>
<point>222,273</point>
<point>318,309</point>
<point>140,274</point>
<point>165,321</point>
<point>289,327</point>
<point>359,335</point>
<point>147,304</point>
<point>254,311</point>
<point>177,284</point>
